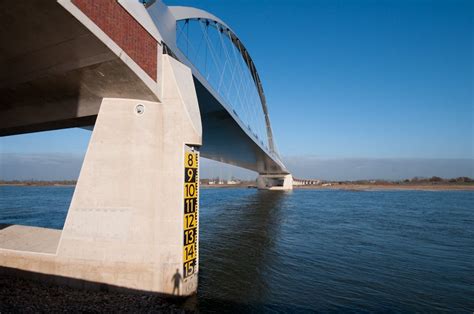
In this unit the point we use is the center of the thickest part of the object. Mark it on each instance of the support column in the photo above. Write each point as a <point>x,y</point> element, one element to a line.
<point>133,219</point>
<point>275,182</point>
<point>125,225</point>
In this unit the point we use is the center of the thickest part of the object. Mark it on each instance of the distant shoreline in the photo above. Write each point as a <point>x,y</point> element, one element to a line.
<point>334,186</point>
<point>37,185</point>
<point>389,187</point>
<point>364,187</point>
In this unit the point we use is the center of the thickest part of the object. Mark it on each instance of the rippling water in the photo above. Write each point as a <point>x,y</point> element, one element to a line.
<point>314,250</point>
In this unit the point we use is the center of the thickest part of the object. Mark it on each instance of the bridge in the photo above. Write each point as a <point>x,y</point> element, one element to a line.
<point>159,87</point>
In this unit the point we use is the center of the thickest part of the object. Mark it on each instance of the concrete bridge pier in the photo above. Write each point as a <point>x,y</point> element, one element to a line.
<point>133,219</point>
<point>275,182</point>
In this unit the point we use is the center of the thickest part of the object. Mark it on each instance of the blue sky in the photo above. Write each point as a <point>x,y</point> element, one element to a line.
<point>347,79</point>
<point>362,78</point>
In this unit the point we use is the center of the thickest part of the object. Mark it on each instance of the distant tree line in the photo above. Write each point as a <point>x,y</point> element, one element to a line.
<point>38,182</point>
<point>435,179</point>
<point>420,180</point>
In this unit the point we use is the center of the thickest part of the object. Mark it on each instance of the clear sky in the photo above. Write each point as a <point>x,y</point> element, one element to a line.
<point>347,79</point>
<point>361,78</point>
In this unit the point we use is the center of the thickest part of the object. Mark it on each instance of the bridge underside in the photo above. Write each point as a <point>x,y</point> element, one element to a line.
<point>57,75</point>
<point>56,72</point>
<point>225,141</point>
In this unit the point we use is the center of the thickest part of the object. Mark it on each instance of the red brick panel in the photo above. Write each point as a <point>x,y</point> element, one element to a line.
<point>122,28</point>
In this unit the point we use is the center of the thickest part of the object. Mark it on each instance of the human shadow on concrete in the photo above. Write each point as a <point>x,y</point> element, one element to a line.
<point>176,279</point>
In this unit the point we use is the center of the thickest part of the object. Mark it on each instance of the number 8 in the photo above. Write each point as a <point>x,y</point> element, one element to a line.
<point>190,160</point>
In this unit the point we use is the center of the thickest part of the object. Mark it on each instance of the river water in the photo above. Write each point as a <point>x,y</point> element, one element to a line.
<point>314,250</point>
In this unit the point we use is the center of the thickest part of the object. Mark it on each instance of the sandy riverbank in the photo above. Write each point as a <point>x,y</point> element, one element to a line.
<point>364,187</point>
<point>395,187</point>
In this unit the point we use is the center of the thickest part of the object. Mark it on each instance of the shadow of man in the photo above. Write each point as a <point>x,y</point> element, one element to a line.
<point>177,279</point>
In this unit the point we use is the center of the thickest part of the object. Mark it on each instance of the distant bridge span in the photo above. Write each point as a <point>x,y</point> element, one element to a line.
<point>160,86</point>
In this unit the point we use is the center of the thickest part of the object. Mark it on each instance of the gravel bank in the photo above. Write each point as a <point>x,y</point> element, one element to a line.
<point>26,296</point>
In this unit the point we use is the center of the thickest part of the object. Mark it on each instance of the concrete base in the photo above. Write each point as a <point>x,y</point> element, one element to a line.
<point>124,227</point>
<point>29,239</point>
<point>275,182</point>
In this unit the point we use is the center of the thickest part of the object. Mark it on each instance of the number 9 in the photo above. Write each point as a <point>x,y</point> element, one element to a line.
<point>190,174</point>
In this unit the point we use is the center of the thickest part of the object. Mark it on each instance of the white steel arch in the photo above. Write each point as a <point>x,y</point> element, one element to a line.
<point>186,13</point>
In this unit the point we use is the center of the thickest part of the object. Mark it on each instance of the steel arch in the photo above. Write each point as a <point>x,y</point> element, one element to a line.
<point>189,13</point>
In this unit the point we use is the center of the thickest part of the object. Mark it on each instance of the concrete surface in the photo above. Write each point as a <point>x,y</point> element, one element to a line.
<point>125,222</point>
<point>30,239</point>
<point>275,182</point>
